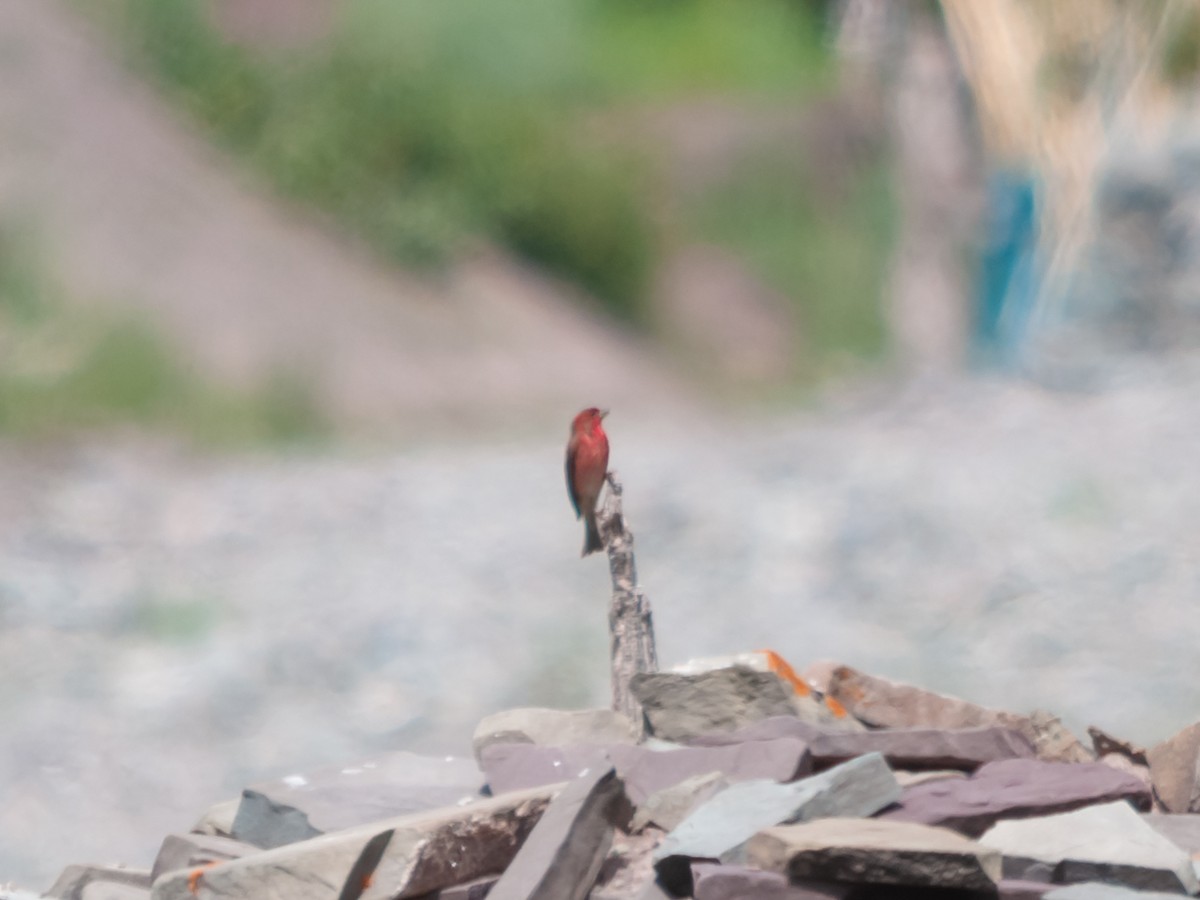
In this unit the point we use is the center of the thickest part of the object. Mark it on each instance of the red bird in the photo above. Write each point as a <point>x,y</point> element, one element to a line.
<point>587,465</point>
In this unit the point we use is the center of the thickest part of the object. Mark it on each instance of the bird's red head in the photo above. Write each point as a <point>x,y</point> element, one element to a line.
<point>588,421</point>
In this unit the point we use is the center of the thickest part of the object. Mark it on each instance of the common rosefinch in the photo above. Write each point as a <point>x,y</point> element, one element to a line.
<point>587,464</point>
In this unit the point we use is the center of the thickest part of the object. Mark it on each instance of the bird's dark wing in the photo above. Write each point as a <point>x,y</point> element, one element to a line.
<point>572,448</point>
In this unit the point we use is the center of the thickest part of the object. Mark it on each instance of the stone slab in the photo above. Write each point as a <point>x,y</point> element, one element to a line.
<point>678,707</point>
<point>562,855</point>
<point>1016,788</point>
<point>712,881</point>
<point>644,771</point>
<point>875,852</point>
<point>299,807</point>
<point>186,851</point>
<point>963,749</point>
<point>1109,842</point>
<point>1181,830</point>
<point>420,853</point>
<point>1016,889</point>
<point>1095,890</point>
<point>75,880</point>
<point>667,807</point>
<point>1174,770</point>
<point>553,727</point>
<point>218,818</point>
<point>891,704</point>
<point>719,828</point>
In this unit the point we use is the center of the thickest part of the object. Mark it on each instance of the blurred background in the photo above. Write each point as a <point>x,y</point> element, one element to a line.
<point>896,306</point>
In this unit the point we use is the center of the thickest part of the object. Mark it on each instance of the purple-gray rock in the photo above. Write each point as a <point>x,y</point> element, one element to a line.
<point>891,704</point>
<point>719,828</point>
<point>875,852</point>
<point>553,728</point>
<point>300,807</point>
<point>1012,789</point>
<point>965,749</point>
<point>1109,843</point>
<point>716,882</point>
<point>518,766</point>
<point>74,881</point>
<point>679,707</point>
<point>1174,771</point>
<point>474,890</point>
<point>562,855</point>
<point>186,851</point>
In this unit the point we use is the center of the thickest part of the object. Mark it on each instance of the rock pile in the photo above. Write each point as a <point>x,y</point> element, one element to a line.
<point>752,783</point>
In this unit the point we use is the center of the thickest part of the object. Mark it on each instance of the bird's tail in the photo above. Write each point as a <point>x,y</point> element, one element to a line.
<point>592,541</point>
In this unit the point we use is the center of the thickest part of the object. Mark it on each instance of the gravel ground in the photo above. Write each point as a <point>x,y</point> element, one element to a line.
<point>175,626</point>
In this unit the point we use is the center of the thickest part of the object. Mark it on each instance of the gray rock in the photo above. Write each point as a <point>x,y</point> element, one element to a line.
<point>218,819</point>
<point>561,858</point>
<point>1095,890</point>
<point>678,707</point>
<point>107,890</point>
<point>629,867</point>
<point>667,807</point>
<point>420,853</point>
<point>1109,842</point>
<point>890,704</point>
<point>1015,788</point>
<point>1174,771</point>
<point>553,727</point>
<point>518,766</point>
<point>474,890</point>
<point>1017,889</point>
<point>875,852</point>
<point>1181,830</point>
<point>299,807</point>
<point>716,882</point>
<point>719,828</point>
<point>185,851</point>
<point>75,880</point>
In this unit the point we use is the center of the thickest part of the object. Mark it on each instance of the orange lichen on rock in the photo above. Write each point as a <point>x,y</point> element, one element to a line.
<point>835,707</point>
<point>780,667</point>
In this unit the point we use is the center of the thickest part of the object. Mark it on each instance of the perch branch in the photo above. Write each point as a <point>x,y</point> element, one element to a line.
<point>630,625</point>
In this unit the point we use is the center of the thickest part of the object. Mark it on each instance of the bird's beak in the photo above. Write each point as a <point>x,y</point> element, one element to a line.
<point>603,413</point>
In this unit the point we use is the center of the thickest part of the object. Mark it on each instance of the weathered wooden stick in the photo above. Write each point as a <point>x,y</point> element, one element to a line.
<point>630,625</point>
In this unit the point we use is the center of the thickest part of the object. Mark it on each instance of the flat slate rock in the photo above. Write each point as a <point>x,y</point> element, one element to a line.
<point>1096,890</point>
<point>965,749</point>
<point>75,881</point>
<point>1181,830</point>
<point>300,807</point>
<point>107,890</point>
<point>644,771</point>
<point>1109,842</point>
<point>186,851</point>
<point>678,707</point>
<point>719,828</point>
<point>1015,788</point>
<point>667,807</point>
<point>1017,889</point>
<point>892,704</point>
<point>1174,771</point>
<point>875,852</point>
<point>403,857</point>
<point>562,855</point>
<point>712,881</point>
<point>474,890</point>
<point>218,819</point>
<point>554,727</point>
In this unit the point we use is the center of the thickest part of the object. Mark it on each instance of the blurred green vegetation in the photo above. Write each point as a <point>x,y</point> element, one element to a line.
<point>426,125</point>
<point>823,244</point>
<point>64,368</point>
